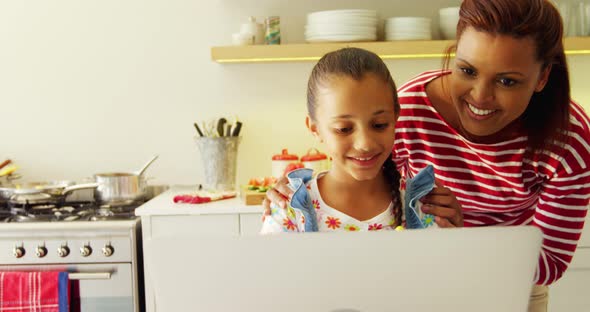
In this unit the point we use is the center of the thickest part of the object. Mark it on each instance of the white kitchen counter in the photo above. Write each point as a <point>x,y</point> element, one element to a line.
<point>161,218</point>
<point>163,205</point>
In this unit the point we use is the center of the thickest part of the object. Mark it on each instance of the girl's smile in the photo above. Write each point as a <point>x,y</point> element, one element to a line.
<point>366,161</point>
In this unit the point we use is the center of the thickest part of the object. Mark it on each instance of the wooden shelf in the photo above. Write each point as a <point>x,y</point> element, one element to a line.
<point>386,50</point>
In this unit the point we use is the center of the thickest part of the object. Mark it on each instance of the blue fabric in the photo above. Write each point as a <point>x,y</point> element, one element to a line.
<point>301,199</point>
<point>416,188</point>
<point>63,285</point>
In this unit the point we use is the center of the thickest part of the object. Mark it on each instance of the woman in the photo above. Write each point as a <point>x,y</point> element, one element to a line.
<point>501,131</point>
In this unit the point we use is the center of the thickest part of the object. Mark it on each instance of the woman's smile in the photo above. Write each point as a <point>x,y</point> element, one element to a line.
<point>479,113</point>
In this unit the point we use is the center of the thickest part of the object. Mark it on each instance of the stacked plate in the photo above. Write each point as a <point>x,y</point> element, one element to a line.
<point>341,25</point>
<point>407,28</point>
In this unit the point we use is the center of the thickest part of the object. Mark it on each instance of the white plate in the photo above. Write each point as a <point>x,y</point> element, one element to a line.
<point>340,38</point>
<point>407,29</point>
<point>367,35</point>
<point>407,37</point>
<point>352,12</point>
<point>343,20</point>
<point>409,20</point>
<point>412,26</point>
<point>330,27</point>
<point>415,34</point>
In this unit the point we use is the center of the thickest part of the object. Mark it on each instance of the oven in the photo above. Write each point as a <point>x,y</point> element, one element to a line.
<point>102,257</point>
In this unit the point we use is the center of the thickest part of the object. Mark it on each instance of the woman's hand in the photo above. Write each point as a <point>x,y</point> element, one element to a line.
<point>279,195</point>
<point>443,204</point>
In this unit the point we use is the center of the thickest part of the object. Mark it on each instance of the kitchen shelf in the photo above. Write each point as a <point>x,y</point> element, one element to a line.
<point>386,50</point>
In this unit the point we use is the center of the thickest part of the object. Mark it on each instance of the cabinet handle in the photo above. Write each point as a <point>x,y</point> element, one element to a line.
<point>90,276</point>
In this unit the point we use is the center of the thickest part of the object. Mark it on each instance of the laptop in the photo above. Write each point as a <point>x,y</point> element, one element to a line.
<point>468,269</point>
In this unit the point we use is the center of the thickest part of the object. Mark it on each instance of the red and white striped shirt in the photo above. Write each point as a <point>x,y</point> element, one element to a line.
<point>495,183</point>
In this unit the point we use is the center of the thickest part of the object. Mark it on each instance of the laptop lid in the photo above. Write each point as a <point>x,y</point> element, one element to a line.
<point>468,269</point>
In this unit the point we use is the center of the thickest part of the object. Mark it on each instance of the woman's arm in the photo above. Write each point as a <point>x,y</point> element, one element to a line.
<point>560,214</point>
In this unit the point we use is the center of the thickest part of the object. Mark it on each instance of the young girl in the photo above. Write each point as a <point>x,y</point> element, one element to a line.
<point>352,109</point>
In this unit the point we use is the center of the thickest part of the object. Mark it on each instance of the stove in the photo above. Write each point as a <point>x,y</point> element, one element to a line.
<point>99,245</point>
<point>66,212</point>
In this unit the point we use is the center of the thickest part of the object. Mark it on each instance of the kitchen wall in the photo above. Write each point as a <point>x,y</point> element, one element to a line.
<point>89,86</point>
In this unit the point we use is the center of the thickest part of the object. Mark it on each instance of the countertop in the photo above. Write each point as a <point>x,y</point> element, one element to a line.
<point>163,205</point>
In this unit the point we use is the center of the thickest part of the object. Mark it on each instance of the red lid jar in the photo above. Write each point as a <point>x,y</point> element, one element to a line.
<point>315,160</point>
<point>284,155</point>
<point>281,161</point>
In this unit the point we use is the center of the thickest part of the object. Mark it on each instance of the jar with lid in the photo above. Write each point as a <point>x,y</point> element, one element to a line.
<point>281,161</point>
<point>315,160</point>
<point>255,29</point>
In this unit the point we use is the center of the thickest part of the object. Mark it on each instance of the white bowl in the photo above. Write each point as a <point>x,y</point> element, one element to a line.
<point>448,19</point>
<point>450,11</point>
<point>448,30</point>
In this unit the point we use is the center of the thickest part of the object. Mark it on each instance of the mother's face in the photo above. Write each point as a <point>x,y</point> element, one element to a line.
<point>494,77</point>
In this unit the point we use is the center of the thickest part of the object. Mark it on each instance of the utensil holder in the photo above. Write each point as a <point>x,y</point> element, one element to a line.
<point>219,157</point>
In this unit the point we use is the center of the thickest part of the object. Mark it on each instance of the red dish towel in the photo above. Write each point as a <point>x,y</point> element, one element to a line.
<point>46,291</point>
<point>202,197</point>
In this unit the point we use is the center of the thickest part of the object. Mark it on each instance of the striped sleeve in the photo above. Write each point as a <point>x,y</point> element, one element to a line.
<point>563,202</point>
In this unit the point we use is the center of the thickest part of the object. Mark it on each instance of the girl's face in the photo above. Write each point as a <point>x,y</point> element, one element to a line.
<point>355,120</point>
<point>493,79</point>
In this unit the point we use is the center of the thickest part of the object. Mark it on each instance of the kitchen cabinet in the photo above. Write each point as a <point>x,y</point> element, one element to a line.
<point>162,218</point>
<point>386,50</point>
<point>570,293</point>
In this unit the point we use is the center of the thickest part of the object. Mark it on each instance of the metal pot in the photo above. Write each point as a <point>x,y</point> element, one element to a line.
<point>121,188</point>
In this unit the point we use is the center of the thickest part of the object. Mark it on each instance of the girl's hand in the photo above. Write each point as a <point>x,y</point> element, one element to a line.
<point>443,204</point>
<point>279,195</point>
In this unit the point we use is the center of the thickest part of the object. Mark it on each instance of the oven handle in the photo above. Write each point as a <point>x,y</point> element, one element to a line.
<point>90,276</point>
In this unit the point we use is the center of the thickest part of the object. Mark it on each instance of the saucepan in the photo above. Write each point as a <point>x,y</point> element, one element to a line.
<point>121,188</point>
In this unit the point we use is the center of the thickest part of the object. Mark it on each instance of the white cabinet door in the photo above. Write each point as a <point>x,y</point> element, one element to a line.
<point>570,293</point>
<point>178,226</point>
<point>193,225</point>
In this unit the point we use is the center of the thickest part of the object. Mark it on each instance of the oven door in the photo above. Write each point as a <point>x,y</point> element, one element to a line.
<point>95,287</point>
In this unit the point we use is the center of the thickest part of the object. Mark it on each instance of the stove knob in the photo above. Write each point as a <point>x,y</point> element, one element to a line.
<point>41,251</point>
<point>108,250</point>
<point>18,252</point>
<point>63,251</point>
<point>85,251</point>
